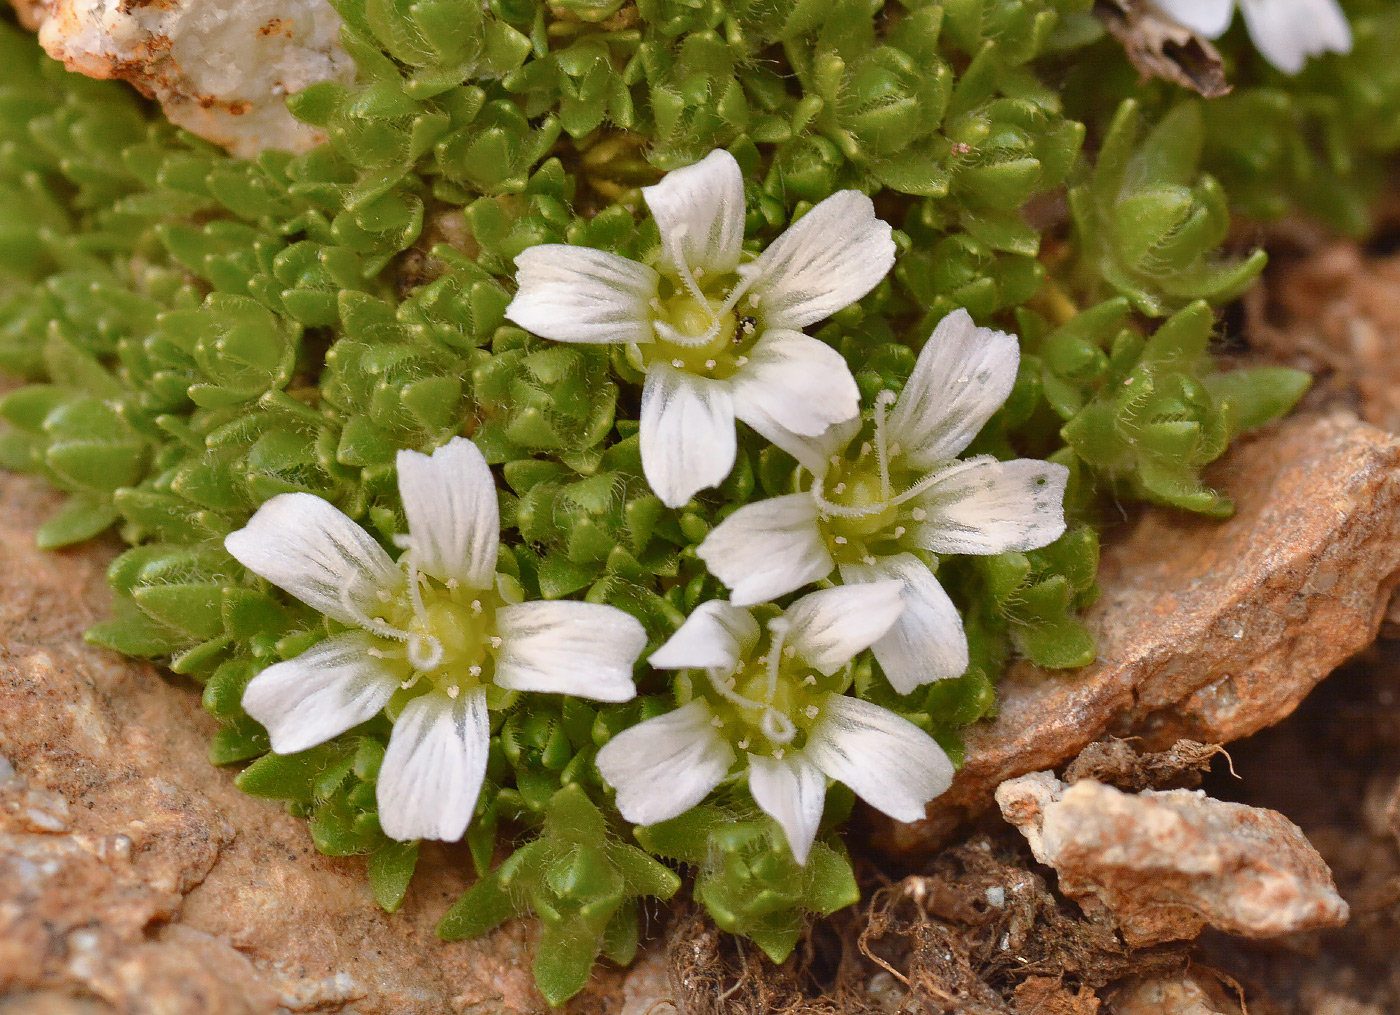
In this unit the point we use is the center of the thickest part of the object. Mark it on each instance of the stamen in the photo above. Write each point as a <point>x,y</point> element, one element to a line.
<point>496,641</point>
<point>452,691</point>
<point>869,558</point>
<point>790,652</point>
<point>899,531</point>
<point>810,681</point>
<point>840,540</point>
<point>678,363</point>
<point>717,722</point>
<point>755,299</point>
<point>744,744</point>
<point>407,685</point>
<point>918,514</point>
<point>742,361</point>
<point>474,670</point>
<point>476,607</point>
<point>839,488</point>
<point>709,364</point>
<point>777,754</point>
<point>453,583</point>
<point>811,711</point>
<point>383,595</point>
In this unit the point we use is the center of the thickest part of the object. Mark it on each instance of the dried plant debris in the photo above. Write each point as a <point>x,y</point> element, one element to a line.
<point>1160,47</point>
<point>1114,762</point>
<point>980,933</point>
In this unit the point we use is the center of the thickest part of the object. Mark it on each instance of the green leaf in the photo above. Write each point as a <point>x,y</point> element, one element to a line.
<point>484,906</point>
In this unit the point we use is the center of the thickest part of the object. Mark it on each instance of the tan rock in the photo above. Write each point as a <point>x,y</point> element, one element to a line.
<point>1165,864</point>
<point>221,69</point>
<point>1209,630</point>
<point>1170,996</point>
<point>133,875</point>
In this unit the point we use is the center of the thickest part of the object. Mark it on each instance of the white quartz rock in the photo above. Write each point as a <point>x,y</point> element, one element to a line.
<point>222,69</point>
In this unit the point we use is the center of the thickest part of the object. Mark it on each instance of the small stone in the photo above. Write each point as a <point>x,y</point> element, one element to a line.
<point>1169,996</point>
<point>221,69</point>
<point>1165,864</point>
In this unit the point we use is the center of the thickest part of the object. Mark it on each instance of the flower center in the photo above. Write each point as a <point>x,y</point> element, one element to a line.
<point>700,326</point>
<point>868,505</point>
<point>442,632</point>
<point>771,700</point>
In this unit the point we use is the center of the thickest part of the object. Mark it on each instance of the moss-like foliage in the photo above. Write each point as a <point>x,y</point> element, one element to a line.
<point>196,334</point>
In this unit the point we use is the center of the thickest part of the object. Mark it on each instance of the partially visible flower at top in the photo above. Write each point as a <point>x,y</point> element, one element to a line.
<point>1286,32</point>
<point>435,632</point>
<point>771,704</point>
<point>873,509</point>
<point>717,336</point>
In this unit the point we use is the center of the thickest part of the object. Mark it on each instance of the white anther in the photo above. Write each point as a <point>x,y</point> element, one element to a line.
<point>742,361</point>
<point>840,540</point>
<point>810,681</point>
<point>869,558</point>
<point>404,685</point>
<point>789,651</point>
<point>895,448</point>
<point>453,691</point>
<point>496,641</point>
<point>698,271</point>
<point>865,449</point>
<point>918,514</point>
<point>709,364</point>
<point>839,488</point>
<point>677,363</point>
<point>474,670</point>
<point>453,583</point>
<point>811,711</point>
<point>777,754</point>
<point>744,744</point>
<point>717,722</point>
<point>375,653</point>
<point>755,299</point>
<point>898,531</point>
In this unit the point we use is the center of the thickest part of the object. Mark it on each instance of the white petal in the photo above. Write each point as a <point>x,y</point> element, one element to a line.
<point>332,686</point>
<point>823,262</point>
<point>687,429</point>
<point>795,382</point>
<point>927,642</point>
<point>767,549</point>
<point>1287,32</point>
<point>715,636</point>
<point>1209,17</point>
<point>985,506</point>
<point>699,211</point>
<point>831,626</point>
<point>792,792</point>
<point>577,294</point>
<point>432,771</point>
<point>889,762</point>
<point>453,519</point>
<point>565,647</point>
<point>964,373</point>
<point>665,766</point>
<point>303,545</point>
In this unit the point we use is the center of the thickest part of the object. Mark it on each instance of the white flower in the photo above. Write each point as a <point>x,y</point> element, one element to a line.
<point>717,336</point>
<point>1286,32</point>
<point>872,505</point>
<point>771,704</point>
<point>434,623</point>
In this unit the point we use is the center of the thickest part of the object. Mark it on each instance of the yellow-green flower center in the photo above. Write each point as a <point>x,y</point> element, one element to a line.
<point>444,635</point>
<point>698,331</point>
<point>769,703</point>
